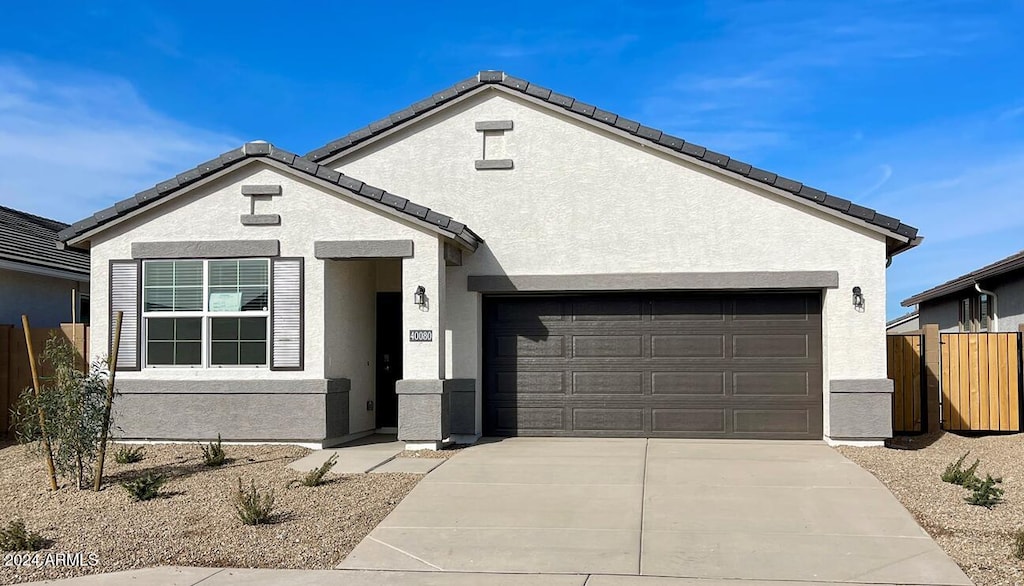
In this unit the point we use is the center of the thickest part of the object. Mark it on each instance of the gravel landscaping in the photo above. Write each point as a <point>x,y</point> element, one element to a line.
<point>980,540</point>
<point>194,522</point>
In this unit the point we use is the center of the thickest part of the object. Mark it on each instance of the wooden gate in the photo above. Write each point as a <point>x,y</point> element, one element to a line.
<point>981,381</point>
<point>905,354</point>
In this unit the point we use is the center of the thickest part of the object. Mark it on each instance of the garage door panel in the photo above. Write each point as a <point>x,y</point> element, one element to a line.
<point>521,381</point>
<point>688,421</point>
<point>687,346</point>
<point>627,420</point>
<point>525,347</point>
<point>694,309</point>
<point>771,346</point>
<point>607,383</point>
<point>754,384</point>
<point>692,365</point>
<point>608,346</point>
<point>771,420</point>
<point>604,309</point>
<point>688,383</point>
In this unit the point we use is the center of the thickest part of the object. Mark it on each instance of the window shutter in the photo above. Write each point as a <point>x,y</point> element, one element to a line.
<point>286,314</point>
<point>124,297</point>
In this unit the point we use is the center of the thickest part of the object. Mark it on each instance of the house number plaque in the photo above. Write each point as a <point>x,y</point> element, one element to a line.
<point>421,335</point>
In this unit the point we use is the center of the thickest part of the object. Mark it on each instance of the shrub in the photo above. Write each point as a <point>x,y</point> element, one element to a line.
<point>213,453</point>
<point>14,537</point>
<point>956,474</point>
<point>145,487</point>
<point>986,493</point>
<point>1018,544</point>
<point>316,477</point>
<point>129,454</point>
<point>253,506</point>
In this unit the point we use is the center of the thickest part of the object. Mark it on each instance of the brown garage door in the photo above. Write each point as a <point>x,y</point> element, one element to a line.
<point>654,365</point>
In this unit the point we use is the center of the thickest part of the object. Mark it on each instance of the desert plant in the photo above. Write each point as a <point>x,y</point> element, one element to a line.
<point>129,454</point>
<point>72,402</point>
<point>15,537</point>
<point>145,487</point>
<point>316,477</point>
<point>1018,544</point>
<point>213,453</point>
<point>986,493</point>
<point>252,505</point>
<point>955,473</point>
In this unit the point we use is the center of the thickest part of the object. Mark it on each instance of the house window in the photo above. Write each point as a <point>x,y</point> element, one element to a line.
<point>206,313</point>
<point>975,313</point>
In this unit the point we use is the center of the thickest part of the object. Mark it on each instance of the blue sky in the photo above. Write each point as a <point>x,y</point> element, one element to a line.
<point>914,108</point>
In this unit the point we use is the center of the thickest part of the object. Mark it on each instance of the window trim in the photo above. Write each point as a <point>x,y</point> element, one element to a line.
<point>972,321</point>
<point>205,315</point>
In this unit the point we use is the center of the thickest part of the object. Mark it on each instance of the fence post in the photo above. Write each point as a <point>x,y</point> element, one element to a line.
<point>933,370</point>
<point>5,378</point>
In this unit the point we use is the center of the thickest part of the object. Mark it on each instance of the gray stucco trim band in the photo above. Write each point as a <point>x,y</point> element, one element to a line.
<point>342,249</point>
<point>206,249</point>
<point>261,190</point>
<point>228,387</point>
<point>494,125</point>
<point>860,409</point>
<point>647,281</point>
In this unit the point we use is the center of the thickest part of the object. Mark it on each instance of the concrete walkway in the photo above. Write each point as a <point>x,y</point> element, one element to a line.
<point>357,457</point>
<point>728,510</point>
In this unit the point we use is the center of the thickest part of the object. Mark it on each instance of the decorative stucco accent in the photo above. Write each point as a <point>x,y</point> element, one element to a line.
<point>485,164</point>
<point>207,249</point>
<point>494,125</point>
<point>647,281</point>
<point>261,219</point>
<point>860,409</point>
<point>347,249</point>
<point>424,410</point>
<point>261,190</point>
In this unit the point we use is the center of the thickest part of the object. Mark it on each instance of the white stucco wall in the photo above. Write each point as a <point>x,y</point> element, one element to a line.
<point>582,201</point>
<point>211,212</point>
<point>47,301</point>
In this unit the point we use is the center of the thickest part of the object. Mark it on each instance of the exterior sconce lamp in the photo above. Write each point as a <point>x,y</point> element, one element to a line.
<point>858,299</point>
<point>420,296</point>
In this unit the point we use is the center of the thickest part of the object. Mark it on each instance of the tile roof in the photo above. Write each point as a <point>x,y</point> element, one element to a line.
<point>1000,267</point>
<point>632,127</point>
<point>29,239</point>
<point>260,149</point>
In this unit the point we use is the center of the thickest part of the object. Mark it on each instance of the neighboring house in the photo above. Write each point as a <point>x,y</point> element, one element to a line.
<point>38,279</point>
<point>616,281</point>
<point>902,324</point>
<point>990,299</point>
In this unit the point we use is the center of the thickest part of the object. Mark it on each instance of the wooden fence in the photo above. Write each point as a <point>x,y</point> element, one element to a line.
<point>905,353</point>
<point>15,373</point>
<point>981,381</point>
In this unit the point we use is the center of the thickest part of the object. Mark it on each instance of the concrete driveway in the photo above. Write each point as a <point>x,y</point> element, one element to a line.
<point>726,510</point>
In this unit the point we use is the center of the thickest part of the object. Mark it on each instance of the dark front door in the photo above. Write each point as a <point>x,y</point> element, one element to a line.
<point>389,357</point>
<point>701,365</point>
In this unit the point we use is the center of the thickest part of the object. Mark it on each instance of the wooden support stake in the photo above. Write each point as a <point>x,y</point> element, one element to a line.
<point>112,361</point>
<point>38,390</point>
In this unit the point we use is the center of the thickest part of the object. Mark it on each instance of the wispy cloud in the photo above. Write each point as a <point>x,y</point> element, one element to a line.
<point>72,142</point>
<point>525,44</point>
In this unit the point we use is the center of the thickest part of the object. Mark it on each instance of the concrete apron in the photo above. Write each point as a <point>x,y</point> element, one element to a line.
<point>730,510</point>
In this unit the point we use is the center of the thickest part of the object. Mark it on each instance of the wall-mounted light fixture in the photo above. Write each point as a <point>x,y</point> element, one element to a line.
<point>420,296</point>
<point>858,299</point>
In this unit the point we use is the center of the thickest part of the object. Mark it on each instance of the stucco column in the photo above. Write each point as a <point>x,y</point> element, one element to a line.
<point>423,401</point>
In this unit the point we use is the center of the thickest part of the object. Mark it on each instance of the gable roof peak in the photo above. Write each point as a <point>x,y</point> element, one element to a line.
<point>906,235</point>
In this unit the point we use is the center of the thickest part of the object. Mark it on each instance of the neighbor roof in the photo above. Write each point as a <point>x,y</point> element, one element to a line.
<point>260,149</point>
<point>634,128</point>
<point>1000,267</point>
<point>32,240</point>
<point>901,319</point>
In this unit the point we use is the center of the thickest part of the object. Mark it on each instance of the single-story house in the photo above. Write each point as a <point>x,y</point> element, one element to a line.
<point>989,299</point>
<point>48,284</point>
<point>907,322</point>
<point>536,266</point>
